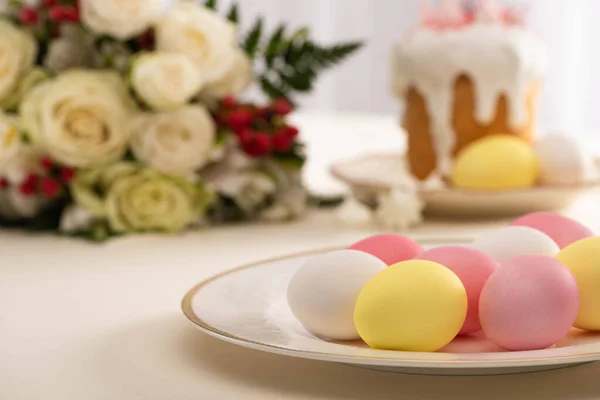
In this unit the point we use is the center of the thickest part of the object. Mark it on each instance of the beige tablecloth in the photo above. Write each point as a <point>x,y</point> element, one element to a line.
<point>80,321</point>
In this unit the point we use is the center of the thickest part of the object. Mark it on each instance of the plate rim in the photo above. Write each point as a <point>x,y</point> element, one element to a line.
<point>334,169</point>
<point>186,307</point>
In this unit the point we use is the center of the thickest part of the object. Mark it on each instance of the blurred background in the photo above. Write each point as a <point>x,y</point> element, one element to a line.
<point>571,92</point>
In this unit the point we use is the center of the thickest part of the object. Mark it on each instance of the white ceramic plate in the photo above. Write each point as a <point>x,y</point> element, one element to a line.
<point>368,175</point>
<point>247,306</point>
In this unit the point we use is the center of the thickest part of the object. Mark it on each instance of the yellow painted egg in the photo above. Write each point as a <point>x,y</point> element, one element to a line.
<point>414,305</point>
<point>583,259</point>
<point>496,162</point>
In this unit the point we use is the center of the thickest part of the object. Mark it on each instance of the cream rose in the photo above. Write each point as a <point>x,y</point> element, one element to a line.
<point>10,140</point>
<point>122,19</point>
<point>179,141</point>
<point>32,78</point>
<point>17,55</point>
<point>236,80</point>
<point>202,35</point>
<point>81,118</point>
<point>134,199</point>
<point>165,81</point>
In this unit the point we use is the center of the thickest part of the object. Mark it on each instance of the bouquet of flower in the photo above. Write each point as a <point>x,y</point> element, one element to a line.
<point>120,117</point>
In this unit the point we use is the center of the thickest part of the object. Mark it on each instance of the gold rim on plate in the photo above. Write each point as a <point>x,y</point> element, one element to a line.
<point>186,306</point>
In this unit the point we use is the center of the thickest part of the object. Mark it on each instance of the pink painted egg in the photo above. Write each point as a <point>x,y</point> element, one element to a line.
<point>473,268</point>
<point>563,230</point>
<point>389,248</point>
<point>529,303</point>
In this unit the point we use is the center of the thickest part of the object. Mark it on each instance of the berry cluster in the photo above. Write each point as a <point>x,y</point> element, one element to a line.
<point>261,131</point>
<point>49,184</point>
<point>50,10</point>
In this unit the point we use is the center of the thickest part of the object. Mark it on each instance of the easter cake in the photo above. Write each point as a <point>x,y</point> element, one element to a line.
<point>521,287</point>
<point>471,69</point>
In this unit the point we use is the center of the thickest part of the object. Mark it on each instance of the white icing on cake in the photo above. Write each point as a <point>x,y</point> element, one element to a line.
<point>499,59</point>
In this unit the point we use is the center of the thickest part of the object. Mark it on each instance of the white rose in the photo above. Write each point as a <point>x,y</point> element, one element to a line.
<point>10,140</point>
<point>75,218</point>
<point>17,55</point>
<point>122,19</point>
<point>180,141</point>
<point>135,199</point>
<point>81,118</point>
<point>249,188</point>
<point>165,81</point>
<point>236,80</point>
<point>202,35</point>
<point>33,77</point>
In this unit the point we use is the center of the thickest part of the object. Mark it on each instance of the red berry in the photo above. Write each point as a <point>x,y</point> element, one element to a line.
<point>3,183</point>
<point>48,3</point>
<point>259,146</point>
<point>264,112</point>
<point>49,187</point>
<point>239,119</point>
<point>28,16</point>
<point>64,13</point>
<point>72,15</point>
<point>147,40</point>
<point>291,131</point>
<point>229,102</point>
<point>282,142</point>
<point>245,135</point>
<point>27,188</point>
<point>282,106</point>
<point>46,163</point>
<point>32,178</point>
<point>67,174</point>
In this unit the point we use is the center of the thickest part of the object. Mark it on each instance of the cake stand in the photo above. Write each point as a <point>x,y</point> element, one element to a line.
<point>368,175</point>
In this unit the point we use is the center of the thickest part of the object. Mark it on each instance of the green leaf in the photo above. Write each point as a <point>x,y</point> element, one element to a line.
<point>252,42</point>
<point>234,15</point>
<point>211,4</point>
<point>327,57</point>
<point>293,161</point>
<point>300,81</point>
<point>271,89</point>
<point>301,34</point>
<point>276,44</point>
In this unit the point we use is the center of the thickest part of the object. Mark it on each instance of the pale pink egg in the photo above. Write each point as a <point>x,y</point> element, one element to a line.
<point>389,248</point>
<point>529,303</point>
<point>563,230</point>
<point>473,268</point>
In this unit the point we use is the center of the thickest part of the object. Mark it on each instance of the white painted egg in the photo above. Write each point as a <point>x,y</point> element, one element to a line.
<point>513,241</point>
<point>564,161</point>
<point>323,292</point>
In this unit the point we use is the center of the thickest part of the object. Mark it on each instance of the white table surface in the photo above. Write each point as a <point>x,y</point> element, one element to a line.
<point>80,321</point>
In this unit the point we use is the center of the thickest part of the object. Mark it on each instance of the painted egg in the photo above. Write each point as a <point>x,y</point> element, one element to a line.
<point>563,161</point>
<point>473,268</point>
<point>529,303</point>
<point>414,305</point>
<point>323,292</point>
<point>563,230</point>
<point>513,241</point>
<point>389,248</point>
<point>583,260</point>
<point>495,162</point>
